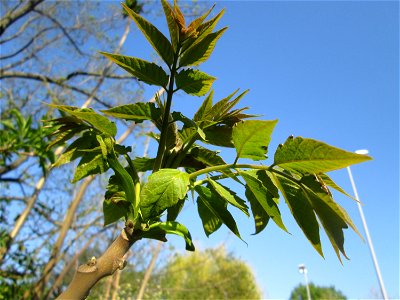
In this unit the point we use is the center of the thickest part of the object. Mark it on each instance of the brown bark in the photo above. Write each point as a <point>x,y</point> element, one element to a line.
<point>89,274</point>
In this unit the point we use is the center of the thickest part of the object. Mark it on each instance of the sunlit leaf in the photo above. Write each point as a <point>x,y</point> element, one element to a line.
<point>263,196</point>
<point>163,189</point>
<point>217,206</point>
<point>251,138</point>
<point>229,196</point>
<point>137,112</point>
<point>159,42</point>
<point>113,211</point>
<point>194,82</point>
<point>171,227</point>
<point>101,123</point>
<point>141,69</point>
<point>90,164</point>
<point>301,209</point>
<point>260,216</point>
<point>196,54</point>
<point>313,157</point>
<point>172,25</point>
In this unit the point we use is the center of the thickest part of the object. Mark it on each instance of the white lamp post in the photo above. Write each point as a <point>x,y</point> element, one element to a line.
<point>364,222</point>
<point>303,270</point>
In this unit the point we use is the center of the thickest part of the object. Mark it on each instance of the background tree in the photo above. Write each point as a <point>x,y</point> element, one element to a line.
<point>209,274</point>
<point>316,292</point>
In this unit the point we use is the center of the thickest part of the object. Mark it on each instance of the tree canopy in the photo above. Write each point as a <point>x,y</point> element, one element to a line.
<point>316,292</point>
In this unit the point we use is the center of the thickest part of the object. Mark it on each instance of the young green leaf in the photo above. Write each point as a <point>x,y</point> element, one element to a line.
<point>159,42</point>
<point>329,182</point>
<point>171,227</point>
<point>196,54</point>
<point>251,138</point>
<point>172,24</point>
<point>301,209</point>
<point>328,212</point>
<point>229,196</point>
<point>143,70</point>
<point>205,108</point>
<point>90,164</point>
<point>219,135</point>
<point>260,216</point>
<point>211,221</point>
<point>137,112</point>
<point>194,82</point>
<point>113,211</point>
<point>163,189</point>
<point>143,164</point>
<point>86,141</point>
<point>217,206</point>
<point>99,122</point>
<point>266,199</point>
<point>313,157</point>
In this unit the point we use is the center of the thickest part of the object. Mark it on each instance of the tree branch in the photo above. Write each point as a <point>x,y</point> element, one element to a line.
<point>14,15</point>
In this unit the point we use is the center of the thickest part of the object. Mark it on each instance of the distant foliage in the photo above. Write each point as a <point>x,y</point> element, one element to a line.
<point>317,292</point>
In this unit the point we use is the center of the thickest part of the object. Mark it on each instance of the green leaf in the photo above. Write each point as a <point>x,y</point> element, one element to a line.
<point>90,164</point>
<point>266,199</point>
<point>127,183</point>
<point>261,218</point>
<point>173,211</point>
<point>159,42</point>
<point>205,108</point>
<point>172,25</point>
<point>101,123</point>
<point>301,209</point>
<point>171,227</point>
<point>331,214</point>
<point>211,222</point>
<point>86,141</point>
<point>137,112</point>
<point>251,138</point>
<point>163,189</point>
<point>229,196</point>
<point>311,156</point>
<point>219,135</point>
<point>113,211</point>
<point>200,52</point>
<point>143,164</point>
<point>329,182</point>
<point>207,157</point>
<point>217,206</point>
<point>202,31</point>
<point>143,70</point>
<point>194,82</point>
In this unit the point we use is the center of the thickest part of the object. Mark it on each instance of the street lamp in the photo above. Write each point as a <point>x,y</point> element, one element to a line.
<point>303,270</point>
<point>364,222</point>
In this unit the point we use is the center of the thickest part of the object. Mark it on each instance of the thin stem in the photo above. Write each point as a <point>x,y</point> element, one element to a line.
<point>165,121</point>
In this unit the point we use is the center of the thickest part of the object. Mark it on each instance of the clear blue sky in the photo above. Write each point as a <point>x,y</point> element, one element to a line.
<point>329,71</point>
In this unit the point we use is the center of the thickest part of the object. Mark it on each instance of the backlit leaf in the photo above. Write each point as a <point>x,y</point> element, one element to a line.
<point>196,54</point>
<point>217,206</point>
<point>211,221</point>
<point>101,123</point>
<point>90,164</point>
<point>194,82</point>
<point>251,138</point>
<point>263,196</point>
<point>260,216</point>
<point>229,196</point>
<point>171,227</point>
<point>172,25</point>
<point>159,42</point>
<point>113,211</point>
<point>205,108</point>
<point>143,70</point>
<point>137,112</point>
<point>311,156</point>
<point>301,209</point>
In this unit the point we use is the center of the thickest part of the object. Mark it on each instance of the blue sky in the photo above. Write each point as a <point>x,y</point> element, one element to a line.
<point>329,71</point>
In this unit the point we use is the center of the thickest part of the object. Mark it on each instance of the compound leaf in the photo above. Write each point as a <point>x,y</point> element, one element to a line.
<point>137,112</point>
